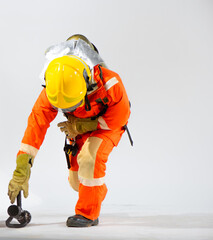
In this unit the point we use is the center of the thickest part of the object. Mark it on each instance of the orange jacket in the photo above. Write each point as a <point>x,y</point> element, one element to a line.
<point>110,90</point>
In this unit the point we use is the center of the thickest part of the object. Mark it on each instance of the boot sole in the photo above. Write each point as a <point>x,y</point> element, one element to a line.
<point>79,224</point>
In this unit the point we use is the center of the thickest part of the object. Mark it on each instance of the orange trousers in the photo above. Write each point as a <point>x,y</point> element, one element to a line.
<point>87,172</point>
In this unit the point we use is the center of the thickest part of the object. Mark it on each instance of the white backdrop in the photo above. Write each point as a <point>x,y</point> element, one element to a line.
<point>163,52</point>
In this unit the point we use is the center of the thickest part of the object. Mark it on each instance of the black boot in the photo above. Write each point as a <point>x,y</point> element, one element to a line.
<point>80,221</point>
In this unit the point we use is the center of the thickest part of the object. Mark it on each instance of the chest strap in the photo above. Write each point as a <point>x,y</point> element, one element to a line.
<point>104,107</point>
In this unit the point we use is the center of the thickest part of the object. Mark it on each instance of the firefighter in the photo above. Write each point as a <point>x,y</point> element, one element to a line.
<point>97,109</point>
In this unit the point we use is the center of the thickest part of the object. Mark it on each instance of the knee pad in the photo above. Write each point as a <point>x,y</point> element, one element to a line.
<point>73,180</point>
<point>87,157</point>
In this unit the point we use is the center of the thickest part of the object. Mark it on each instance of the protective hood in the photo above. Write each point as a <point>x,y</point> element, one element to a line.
<point>74,47</point>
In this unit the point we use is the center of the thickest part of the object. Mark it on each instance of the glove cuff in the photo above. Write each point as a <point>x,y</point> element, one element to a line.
<point>86,125</point>
<point>23,160</point>
<point>23,164</point>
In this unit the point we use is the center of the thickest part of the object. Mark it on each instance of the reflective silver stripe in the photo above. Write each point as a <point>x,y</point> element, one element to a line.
<point>28,149</point>
<point>91,182</point>
<point>110,83</point>
<point>103,124</point>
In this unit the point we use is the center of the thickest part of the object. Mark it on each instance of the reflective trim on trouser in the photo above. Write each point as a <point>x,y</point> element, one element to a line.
<point>91,165</point>
<point>91,182</point>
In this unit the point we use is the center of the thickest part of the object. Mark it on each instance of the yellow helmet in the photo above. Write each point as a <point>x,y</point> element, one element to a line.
<point>67,79</point>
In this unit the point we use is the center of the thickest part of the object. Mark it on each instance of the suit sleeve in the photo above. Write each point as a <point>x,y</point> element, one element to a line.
<point>118,111</point>
<point>38,122</point>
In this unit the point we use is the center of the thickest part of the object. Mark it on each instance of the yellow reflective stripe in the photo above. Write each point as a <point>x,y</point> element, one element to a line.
<point>110,83</point>
<point>91,182</point>
<point>103,124</point>
<point>28,149</point>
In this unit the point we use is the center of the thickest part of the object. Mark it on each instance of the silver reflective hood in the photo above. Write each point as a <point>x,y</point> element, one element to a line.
<point>77,48</point>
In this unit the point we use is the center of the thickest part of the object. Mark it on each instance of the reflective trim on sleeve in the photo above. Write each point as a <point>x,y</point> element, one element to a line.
<point>103,124</point>
<point>110,83</point>
<point>91,182</point>
<point>28,149</point>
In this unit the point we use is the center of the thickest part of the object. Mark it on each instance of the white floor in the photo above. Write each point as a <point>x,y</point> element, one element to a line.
<point>121,224</point>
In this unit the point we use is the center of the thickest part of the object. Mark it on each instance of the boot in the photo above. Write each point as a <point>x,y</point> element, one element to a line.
<point>80,221</point>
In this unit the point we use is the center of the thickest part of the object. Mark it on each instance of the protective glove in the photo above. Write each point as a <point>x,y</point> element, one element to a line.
<point>75,126</point>
<point>21,177</point>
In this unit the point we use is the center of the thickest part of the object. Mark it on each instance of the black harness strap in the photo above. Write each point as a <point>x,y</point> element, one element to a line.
<point>127,130</point>
<point>101,73</point>
<point>87,104</point>
<point>66,153</point>
<point>128,133</point>
<point>104,109</point>
<point>70,149</point>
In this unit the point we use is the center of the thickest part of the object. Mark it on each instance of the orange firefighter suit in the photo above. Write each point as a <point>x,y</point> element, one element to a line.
<point>110,104</point>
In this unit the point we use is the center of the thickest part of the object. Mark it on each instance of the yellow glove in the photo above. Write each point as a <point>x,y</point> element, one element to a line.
<point>75,126</point>
<point>21,177</point>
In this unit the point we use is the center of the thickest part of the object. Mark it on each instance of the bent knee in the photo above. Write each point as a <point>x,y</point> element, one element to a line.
<point>73,180</point>
<point>87,157</point>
